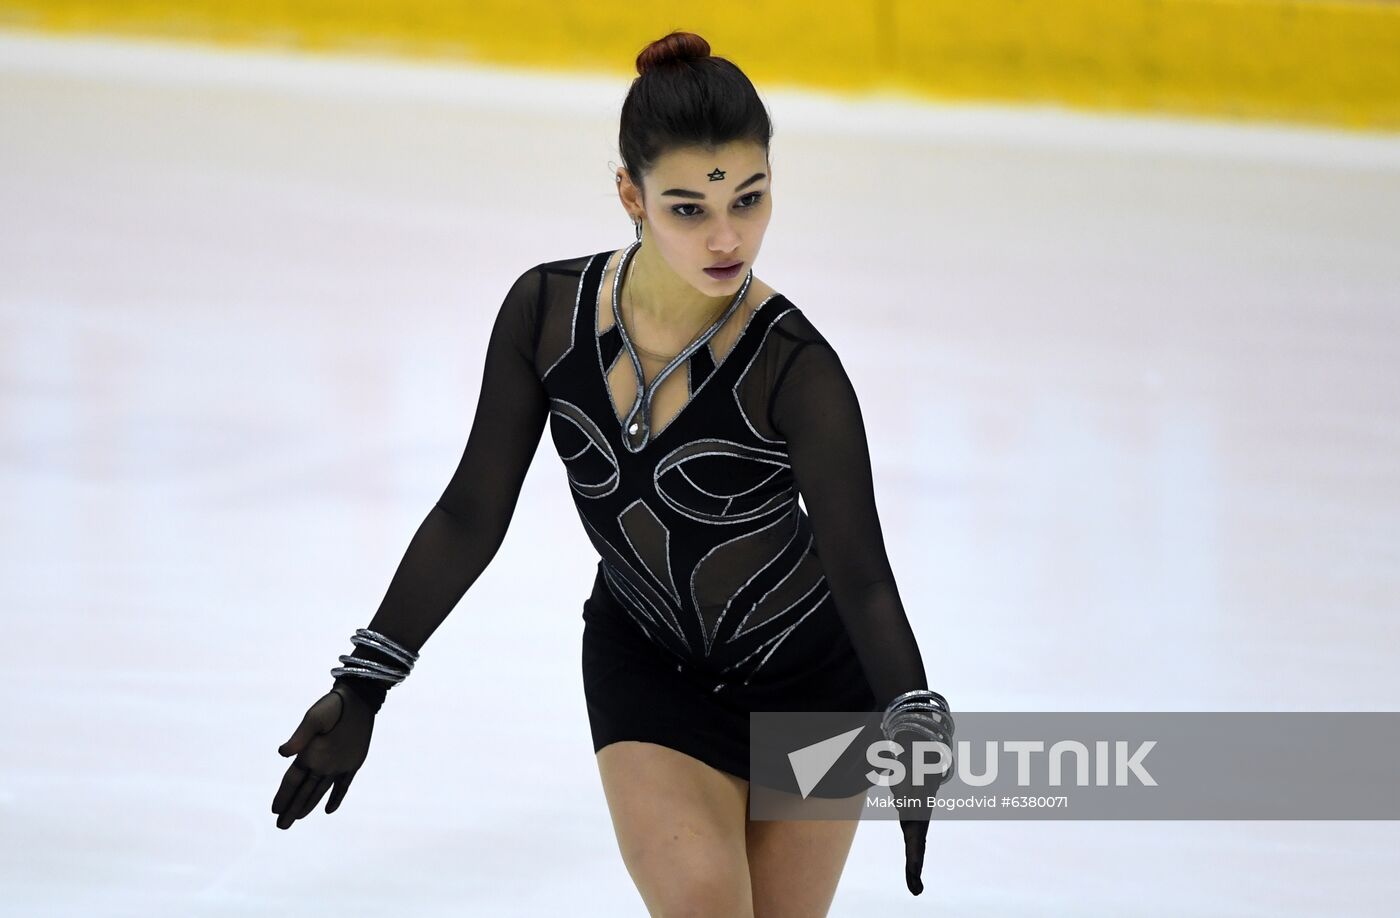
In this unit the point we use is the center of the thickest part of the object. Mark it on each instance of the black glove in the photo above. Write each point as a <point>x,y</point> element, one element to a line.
<point>330,745</point>
<point>915,828</point>
<point>915,833</point>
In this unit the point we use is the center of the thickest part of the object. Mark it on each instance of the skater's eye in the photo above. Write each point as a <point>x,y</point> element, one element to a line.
<point>757,196</point>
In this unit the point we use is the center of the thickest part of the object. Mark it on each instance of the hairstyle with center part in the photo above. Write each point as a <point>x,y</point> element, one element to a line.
<point>684,96</point>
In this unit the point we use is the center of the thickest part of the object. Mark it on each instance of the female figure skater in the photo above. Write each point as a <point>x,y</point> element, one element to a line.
<point>690,404</point>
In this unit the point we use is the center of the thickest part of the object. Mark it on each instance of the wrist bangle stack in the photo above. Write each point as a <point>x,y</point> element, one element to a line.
<point>923,713</point>
<point>373,669</point>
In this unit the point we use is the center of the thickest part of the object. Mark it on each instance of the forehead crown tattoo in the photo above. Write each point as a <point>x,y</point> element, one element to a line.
<point>716,175</point>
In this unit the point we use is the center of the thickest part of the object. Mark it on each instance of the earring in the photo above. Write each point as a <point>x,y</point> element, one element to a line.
<point>638,225</point>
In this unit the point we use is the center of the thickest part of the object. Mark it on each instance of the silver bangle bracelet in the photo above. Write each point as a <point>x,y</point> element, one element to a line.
<point>373,639</point>
<point>374,669</point>
<point>919,724</point>
<point>392,672</point>
<point>922,729</point>
<point>917,704</point>
<point>926,713</point>
<point>366,673</point>
<point>918,694</point>
<point>923,707</point>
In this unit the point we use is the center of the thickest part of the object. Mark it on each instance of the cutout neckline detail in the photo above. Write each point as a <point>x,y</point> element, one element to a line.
<point>635,426</point>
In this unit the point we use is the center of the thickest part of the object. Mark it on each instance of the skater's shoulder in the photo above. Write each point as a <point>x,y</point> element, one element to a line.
<point>573,267</point>
<point>793,324</point>
<point>547,280</point>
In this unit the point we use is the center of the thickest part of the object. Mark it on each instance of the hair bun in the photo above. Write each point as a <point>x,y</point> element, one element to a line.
<point>678,47</point>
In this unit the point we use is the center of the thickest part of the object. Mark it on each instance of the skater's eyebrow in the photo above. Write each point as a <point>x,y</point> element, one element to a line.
<point>687,193</point>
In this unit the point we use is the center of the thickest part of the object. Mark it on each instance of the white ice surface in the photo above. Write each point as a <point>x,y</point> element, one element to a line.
<point>1132,388</point>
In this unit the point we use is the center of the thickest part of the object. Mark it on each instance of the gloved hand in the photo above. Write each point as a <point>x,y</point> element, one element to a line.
<point>330,745</point>
<point>915,829</point>
<point>915,833</point>
<point>914,820</point>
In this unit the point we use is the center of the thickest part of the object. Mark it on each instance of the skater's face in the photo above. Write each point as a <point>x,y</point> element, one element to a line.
<point>708,206</point>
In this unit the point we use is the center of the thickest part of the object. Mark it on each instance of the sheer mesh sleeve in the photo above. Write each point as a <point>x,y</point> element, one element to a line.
<point>814,407</point>
<point>468,523</point>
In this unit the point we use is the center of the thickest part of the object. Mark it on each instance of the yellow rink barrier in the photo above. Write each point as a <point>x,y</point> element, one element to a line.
<point>1328,62</point>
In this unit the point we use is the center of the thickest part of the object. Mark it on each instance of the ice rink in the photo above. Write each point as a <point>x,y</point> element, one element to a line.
<point>1132,388</point>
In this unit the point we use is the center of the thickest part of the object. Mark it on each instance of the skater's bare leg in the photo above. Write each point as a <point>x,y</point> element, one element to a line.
<point>795,864</point>
<point>680,828</point>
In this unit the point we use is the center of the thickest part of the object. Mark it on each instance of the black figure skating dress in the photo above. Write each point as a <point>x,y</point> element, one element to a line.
<point>717,593</point>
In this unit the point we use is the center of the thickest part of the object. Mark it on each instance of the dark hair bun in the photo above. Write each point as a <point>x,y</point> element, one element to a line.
<point>678,47</point>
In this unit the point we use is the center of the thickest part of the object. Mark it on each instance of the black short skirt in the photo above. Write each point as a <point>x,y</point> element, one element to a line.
<point>636,691</point>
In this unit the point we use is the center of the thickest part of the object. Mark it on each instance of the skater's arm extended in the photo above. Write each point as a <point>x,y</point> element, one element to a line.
<point>816,410</point>
<point>466,526</point>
